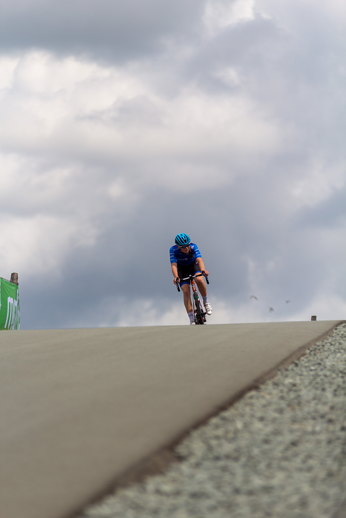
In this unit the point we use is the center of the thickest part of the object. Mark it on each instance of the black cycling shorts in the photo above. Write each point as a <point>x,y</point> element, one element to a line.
<point>186,270</point>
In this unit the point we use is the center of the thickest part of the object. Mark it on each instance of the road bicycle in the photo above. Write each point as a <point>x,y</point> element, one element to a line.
<point>198,310</point>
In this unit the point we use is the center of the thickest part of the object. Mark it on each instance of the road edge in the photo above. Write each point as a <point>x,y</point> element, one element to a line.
<point>159,461</point>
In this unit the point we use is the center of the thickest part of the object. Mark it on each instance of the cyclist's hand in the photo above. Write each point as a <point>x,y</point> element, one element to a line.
<point>205,272</point>
<point>176,280</point>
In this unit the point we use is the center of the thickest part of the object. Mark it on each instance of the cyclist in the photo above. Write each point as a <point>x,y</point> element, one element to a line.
<point>186,259</point>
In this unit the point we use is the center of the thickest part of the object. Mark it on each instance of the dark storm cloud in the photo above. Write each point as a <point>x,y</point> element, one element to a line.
<point>270,61</point>
<point>130,262</point>
<point>104,29</point>
<point>246,239</point>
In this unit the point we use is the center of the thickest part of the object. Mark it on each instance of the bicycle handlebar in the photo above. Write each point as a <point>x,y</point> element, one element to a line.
<point>190,277</point>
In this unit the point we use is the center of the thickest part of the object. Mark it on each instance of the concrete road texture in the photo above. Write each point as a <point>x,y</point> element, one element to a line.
<point>81,407</point>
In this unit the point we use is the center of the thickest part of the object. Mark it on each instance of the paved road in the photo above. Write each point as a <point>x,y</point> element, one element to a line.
<point>79,407</point>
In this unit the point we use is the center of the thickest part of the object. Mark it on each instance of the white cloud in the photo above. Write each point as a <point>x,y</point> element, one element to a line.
<point>108,114</point>
<point>49,96</point>
<point>7,67</point>
<point>229,76</point>
<point>318,181</point>
<point>146,312</point>
<point>223,13</point>
<point>289,13</point>
<point>37,246</point>
<point>325,306</point>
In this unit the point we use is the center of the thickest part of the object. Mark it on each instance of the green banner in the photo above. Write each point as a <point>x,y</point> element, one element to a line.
<point>9,305</point>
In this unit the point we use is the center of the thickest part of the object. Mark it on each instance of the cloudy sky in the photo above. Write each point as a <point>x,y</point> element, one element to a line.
<point>124,123</point>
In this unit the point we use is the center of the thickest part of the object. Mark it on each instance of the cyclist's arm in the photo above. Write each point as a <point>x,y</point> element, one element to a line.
<point>174,270</point>
<point>201,265</point>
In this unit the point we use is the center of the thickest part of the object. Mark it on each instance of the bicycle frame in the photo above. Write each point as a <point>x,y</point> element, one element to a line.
<point>199,313</point>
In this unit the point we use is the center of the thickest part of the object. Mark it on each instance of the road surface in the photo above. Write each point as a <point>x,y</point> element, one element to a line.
<point>81,407</point>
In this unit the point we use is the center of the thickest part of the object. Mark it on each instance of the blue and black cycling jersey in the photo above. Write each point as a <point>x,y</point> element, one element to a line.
<point>177,256</point>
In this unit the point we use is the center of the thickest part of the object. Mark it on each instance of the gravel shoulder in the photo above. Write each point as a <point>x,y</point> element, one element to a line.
<point>278,452</point>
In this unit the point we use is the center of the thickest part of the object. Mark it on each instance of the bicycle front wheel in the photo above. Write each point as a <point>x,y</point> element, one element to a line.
<point>199,316</point>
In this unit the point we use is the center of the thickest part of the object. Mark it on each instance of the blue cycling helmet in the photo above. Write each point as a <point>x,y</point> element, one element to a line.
<point>182,240</point>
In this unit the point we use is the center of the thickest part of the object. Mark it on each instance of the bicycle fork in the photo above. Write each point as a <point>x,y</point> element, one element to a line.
<point>197,304</point>
<point>194,290</point>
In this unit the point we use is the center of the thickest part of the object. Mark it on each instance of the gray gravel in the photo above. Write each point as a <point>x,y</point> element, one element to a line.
<point>278,452</point>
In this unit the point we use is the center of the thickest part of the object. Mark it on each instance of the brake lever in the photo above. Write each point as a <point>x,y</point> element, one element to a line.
<point>206,276</point>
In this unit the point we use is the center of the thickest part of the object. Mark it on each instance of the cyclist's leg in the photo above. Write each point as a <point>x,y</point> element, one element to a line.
<point>203,290</point>
<point>200,281</point>
<point>185,271</point>
<point>187,297</point>
<point>201,286</point>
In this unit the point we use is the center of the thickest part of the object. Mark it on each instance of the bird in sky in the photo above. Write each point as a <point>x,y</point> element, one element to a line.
<point>253,297</point>
<point>270,310</point>
<point>287,301</point>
